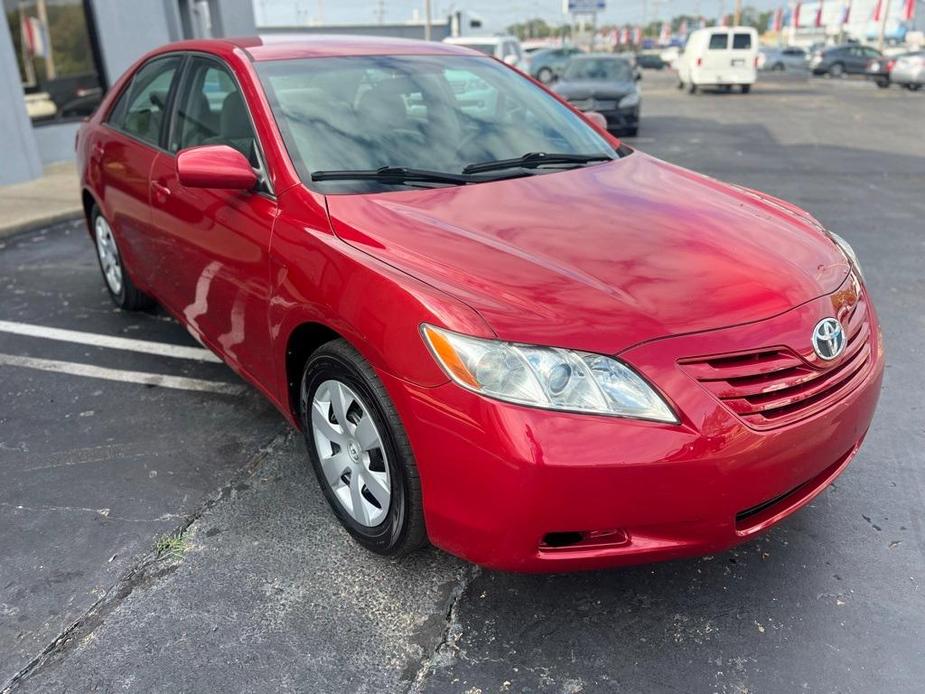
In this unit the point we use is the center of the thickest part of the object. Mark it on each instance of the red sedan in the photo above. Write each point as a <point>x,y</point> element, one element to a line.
<point>499,328</point>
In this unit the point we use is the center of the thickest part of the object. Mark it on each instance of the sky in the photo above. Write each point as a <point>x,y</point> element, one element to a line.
<point>496,14</point>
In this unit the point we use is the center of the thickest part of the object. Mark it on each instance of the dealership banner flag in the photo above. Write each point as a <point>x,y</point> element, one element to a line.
<point>846,13</point>
<point>819,14</point>
<point>795,15</point>
<point>778,19</point>
<point>909,10</point>
<point>878,8</point>
<point>35,37</point>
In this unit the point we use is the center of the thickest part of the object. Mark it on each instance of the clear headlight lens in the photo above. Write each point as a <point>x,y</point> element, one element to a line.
<point>548,377</point>
<point>848,251</point>
<point>629,100</point>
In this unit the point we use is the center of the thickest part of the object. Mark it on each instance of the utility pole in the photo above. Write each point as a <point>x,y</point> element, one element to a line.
<point>738,13</point>
<point>427,22</point>
<point>885,12</point>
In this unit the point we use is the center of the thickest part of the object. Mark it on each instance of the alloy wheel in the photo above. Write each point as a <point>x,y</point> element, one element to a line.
<point>351,452</point>
<point>109,255</point>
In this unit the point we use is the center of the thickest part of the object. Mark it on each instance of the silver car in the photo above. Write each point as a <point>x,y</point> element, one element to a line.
<point>909,71</point>
<point>779,59</point>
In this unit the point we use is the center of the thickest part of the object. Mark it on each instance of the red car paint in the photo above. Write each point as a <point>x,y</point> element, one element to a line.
<point>635,257</point>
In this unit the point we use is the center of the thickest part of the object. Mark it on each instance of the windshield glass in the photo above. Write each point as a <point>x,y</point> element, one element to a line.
<point>609,69</point>
<point>438,113</point>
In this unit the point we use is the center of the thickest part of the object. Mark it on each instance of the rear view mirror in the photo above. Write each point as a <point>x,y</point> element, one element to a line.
<point>597,118</point>
<point>215,166</point>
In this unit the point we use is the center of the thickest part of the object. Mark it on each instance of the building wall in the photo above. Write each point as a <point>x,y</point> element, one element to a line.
<point>18,152</point>
<point>125,30</point>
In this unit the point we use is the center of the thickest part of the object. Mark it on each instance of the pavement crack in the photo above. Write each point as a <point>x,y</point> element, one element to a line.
<point>145,571</point>
<point>447,648</point>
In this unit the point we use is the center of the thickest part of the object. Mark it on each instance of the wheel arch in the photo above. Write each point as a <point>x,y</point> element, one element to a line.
<point>301,343</point>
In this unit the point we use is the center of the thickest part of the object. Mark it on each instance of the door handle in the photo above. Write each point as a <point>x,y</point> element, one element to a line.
<point>161,190</point>
<point>97,150</point>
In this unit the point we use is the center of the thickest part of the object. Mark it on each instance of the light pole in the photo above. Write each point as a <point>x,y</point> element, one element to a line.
<point>885,12</point>
<point>427,20</point>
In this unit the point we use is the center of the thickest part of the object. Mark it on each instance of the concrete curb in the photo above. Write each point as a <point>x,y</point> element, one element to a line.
<point>39,222</point>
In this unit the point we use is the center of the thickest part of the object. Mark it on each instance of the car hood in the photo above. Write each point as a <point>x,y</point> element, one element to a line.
<point>602,257</point>
<point>587,89</point>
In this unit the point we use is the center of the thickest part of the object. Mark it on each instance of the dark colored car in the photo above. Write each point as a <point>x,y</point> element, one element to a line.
<point>850,59</point>
<point>547,64</point>
<point>650,61</point>
<point>606,84</point>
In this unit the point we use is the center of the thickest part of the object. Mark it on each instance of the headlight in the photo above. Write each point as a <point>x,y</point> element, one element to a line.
<point>848,251</point>
<point>629,100</point>
<point>548,377</point>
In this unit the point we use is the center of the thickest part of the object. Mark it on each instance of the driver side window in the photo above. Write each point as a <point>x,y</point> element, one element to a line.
<point>211,111</point>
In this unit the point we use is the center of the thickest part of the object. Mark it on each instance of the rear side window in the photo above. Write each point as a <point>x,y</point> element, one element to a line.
<point>741,41</point>
<point>141,108</point>
<point>718,42</point>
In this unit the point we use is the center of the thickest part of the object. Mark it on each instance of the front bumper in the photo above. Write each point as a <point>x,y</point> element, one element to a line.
<point>622,118</point>
<point>498,478</point>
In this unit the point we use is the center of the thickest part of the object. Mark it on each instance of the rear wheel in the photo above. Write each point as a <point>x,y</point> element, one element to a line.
<point>122,290</point>
<point>544,75</point>
<point>913,87</point>
<point>692,88</point>
<point>360,452</point>
<point>746,88</point>
<point>631,132</point>
<point>778,67</point>
<point>836,70</point>
<point>883,84</point>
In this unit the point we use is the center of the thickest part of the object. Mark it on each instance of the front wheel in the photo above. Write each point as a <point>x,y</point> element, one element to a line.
<point>883,84</point>
<point>544,75</point>
<point>746,88</point>
<point>837,70</point>
<point>122,290</point>
<point>692,88</point>
<point>360,452</point>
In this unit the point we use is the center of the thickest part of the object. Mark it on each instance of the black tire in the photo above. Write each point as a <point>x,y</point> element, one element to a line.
<point>692,88</point>
<point>778,67</point>
<point>883,84</point>
<point>402,531</point>
<point>836,70</point>
<point>631,132</point>
<point>913,87</point>
<point>125,296</point>
<point>545,75</point>
<point>746,88</point>
<point>680,84</point>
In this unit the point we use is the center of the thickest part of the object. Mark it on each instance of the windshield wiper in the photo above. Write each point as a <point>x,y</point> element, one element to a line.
<point>534,159</point>
<point>395,174</point>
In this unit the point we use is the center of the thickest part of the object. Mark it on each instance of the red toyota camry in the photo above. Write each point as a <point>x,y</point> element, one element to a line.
<point>499,328</point>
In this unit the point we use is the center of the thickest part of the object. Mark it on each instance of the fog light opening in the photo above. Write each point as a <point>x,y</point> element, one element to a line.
<point>562,539</point>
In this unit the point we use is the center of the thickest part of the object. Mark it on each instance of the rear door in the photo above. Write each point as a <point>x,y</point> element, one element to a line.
<point>125,151</point>
<point>743,51</point>
<point>715,61</point>
<point>216,242</point>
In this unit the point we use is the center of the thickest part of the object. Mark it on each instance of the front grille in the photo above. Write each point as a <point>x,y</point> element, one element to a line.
<point>776,386</point>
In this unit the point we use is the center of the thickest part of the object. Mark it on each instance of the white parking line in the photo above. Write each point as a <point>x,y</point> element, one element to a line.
<point>149,379</point>
<point>96,340</point>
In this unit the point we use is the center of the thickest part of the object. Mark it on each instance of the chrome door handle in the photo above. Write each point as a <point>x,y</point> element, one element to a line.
<point>161,189</point>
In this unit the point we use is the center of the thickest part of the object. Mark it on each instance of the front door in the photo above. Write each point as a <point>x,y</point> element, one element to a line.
<point>216,241</point>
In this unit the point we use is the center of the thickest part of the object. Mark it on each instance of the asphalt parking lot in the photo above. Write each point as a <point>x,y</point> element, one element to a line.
<point>120,431</point>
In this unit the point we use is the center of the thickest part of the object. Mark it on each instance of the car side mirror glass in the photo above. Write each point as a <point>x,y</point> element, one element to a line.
<point>215,166</point>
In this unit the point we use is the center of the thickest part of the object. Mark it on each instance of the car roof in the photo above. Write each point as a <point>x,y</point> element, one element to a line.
<point>287,46</point>
<point>465,40</point>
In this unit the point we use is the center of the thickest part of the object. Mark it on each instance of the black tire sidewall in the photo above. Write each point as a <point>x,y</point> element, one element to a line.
<point>388,535</point>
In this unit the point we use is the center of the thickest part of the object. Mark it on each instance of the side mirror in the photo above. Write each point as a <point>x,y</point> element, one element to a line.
<point>215,166</point>
<point>597,118</point>
<point>638,76</point>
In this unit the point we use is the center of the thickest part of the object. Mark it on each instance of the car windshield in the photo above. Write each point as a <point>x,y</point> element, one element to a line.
<point>433,113</point>
<point>609,69</point>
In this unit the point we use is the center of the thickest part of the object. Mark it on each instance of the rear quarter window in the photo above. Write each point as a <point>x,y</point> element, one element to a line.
<point>741,42</point>
<point>718,42</point>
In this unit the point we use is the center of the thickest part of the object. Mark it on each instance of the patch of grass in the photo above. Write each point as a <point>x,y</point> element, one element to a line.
<point>171,546</point>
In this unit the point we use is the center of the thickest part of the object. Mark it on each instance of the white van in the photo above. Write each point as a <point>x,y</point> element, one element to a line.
<point>719,57</point>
